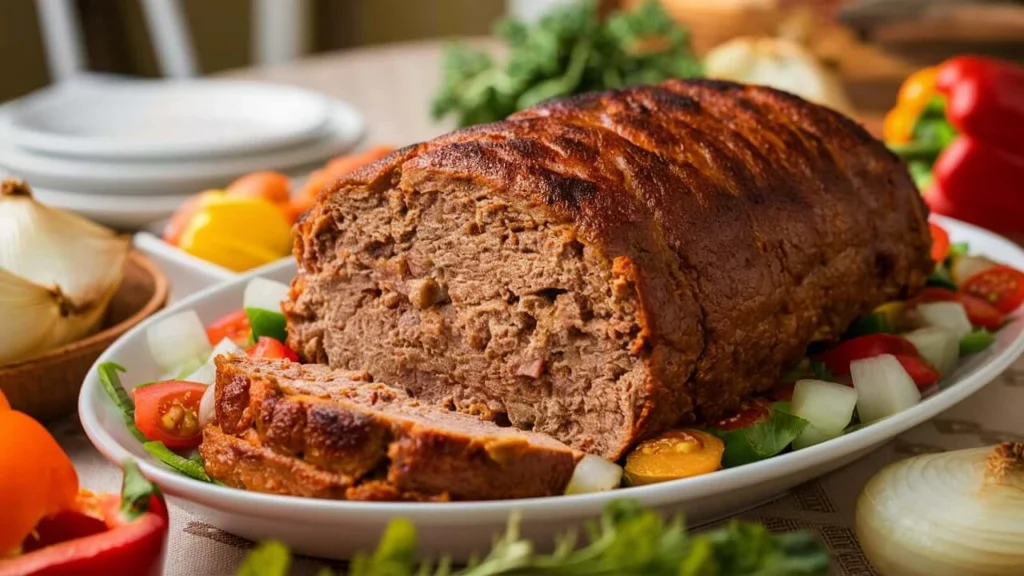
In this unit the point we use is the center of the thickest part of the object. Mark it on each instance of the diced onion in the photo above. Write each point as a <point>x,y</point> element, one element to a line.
<point>950,315</point>
<point>179,341</point>
<point>265,294</point>
<point>827,407</point>
<point>594,474</point>
<point>207,407</point>
<point>946,514</point>
<point>883,387</point>
<point>964,267</point>
<point>811,436</point>
<point>938,345</point>
<point>207,373</point>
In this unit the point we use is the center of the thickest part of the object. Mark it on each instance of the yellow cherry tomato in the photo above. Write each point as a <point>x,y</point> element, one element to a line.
<point>675,454</point>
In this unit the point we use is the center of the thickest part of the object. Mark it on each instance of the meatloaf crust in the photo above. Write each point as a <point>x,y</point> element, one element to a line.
<point>604,267</point>
<point>311,431</point>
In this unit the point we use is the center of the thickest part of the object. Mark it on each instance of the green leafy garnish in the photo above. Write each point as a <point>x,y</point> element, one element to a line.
<point>568,51</point>
<point>873,323</point>
<point>111,382</point>
<point>763,439</point>
<point>186,466</point>
<point>269,558</point>
<point>937,278</point>
<point>821,371</point>
<point>267,323</point>
<point>628,540</point>
<point>957,249</point>
<point>136,491</point>
<point>976,341</point>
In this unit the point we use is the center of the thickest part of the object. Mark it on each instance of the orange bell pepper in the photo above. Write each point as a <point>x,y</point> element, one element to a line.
<point>37,479</point>
<point>913,96</point>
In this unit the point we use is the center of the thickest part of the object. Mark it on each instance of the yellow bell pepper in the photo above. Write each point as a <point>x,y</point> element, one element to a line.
<point>237,233</point>
<point>914,95</point>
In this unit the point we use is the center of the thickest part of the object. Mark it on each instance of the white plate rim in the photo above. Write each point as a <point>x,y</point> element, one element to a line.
<point>347,129</point>
<point>99,148</point>
<point>291,508</point>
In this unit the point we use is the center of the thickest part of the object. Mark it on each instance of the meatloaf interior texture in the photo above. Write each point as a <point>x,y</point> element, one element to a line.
<point>605,267</point>
<point>311,431</point>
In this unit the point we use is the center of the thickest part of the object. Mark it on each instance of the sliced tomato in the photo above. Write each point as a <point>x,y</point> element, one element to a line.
<point>169,412</point>
<point>940,242</point>
<point>1001,286</point>
<point>234,326</point>
<point>752,411</point>
<point>838,358</point>
<point>979,311</point>
<point>267,347</point>
<point>922,373</point>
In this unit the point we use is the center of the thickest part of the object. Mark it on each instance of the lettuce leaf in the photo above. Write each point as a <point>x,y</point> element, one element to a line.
<point>763,439</point>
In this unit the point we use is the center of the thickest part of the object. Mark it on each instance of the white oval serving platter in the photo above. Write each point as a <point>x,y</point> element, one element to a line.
<point>337,529</point>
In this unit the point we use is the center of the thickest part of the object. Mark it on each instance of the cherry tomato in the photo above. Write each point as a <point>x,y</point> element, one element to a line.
<point>1001,286</point>
<point>838,359</point>
<point>169,412</point>
<point>234,326</point>
<point>752,411</point>
<point>267,347</point>
<point>979,311</point>
<point>940,243</point>
<point>920,371</point>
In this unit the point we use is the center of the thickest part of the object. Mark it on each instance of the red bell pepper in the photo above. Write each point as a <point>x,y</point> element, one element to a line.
<point>985,100</point>
<point>838,358</point>
<point>267,347</point>
<point>977,177</point>
<point>108,534</point>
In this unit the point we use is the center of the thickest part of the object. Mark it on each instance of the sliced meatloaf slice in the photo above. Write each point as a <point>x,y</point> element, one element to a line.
<point>311,431</point>
<point>605,267</point>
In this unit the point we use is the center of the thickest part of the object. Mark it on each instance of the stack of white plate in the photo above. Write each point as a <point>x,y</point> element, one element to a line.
<point>125,153</point>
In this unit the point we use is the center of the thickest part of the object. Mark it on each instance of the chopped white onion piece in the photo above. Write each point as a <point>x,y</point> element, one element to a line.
<point>207,407</point>
<point>207,373</point>
<point>949,315</point>
<point>179,341</point>
<point>964,267</point>
<point>946,514</point>
<point>811,436</point>
<point>265,294</point>
<point>827,407</point>
<point>938,345</point>
<point>883,387</point>
<point>594,474</point>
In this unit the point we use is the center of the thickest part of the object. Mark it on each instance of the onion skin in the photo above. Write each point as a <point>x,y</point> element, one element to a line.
<point>944,515</point>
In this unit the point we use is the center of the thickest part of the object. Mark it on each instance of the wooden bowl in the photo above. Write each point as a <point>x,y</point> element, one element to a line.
<point>46,386</point>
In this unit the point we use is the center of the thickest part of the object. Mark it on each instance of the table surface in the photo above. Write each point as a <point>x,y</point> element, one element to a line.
<point>392,86</point>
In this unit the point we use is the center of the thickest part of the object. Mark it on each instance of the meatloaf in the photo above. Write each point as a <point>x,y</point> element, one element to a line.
<point>604,267</point>
<point>311,431</point>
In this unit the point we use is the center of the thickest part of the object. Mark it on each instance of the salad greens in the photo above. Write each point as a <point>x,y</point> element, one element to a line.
<point>111,382</point>
<point>569,51</point>
<point>976,341</point>
<point>628,540</point>
<point>763,439</point>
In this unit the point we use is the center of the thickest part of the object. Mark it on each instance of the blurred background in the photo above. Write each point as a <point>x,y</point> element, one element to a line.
<point>874,43</point>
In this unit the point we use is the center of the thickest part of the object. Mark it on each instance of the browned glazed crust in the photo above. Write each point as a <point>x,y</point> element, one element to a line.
<point>311,431</point>
<point>744,222</point>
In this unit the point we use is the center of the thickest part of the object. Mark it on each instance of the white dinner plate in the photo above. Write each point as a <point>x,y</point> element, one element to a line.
<point>337,529</point>
<point>124,212</point>
<point>161,119</point>
<point>344,129</point>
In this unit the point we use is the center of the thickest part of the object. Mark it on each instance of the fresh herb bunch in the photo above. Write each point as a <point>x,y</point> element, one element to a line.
<point>569,51</point>
<point>627,541</point>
